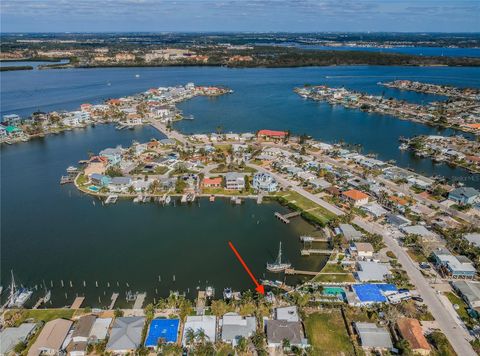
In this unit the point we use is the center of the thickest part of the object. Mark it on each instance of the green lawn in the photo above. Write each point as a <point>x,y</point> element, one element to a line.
<point>308,206</point>
<point>462,310</point>
<point>334,278</point>
<point>327,334</point>
<point>416,255</point>
<point>44,315</point>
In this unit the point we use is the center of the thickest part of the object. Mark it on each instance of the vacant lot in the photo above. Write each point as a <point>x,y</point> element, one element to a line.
<point>327,334</point>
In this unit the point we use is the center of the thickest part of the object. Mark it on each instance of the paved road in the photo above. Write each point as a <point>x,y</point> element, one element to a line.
<point>457,336</point>
<point>170,134</point>
<point>285,182</point>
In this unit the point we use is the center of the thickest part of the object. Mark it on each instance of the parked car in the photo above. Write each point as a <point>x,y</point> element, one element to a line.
<point>425,265</point>
<point>417,299</point>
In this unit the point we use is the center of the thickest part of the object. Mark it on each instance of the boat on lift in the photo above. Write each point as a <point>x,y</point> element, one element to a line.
<point>209,292</point>
<point>278,265</point>
<point>227,294</point>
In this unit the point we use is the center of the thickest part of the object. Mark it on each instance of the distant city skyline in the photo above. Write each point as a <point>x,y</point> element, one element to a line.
<point>241,16</point>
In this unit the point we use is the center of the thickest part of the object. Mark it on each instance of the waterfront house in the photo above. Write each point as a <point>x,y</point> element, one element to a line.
<point>264,182</point>
<point>3,131</point>
<point>453,266</point>
<point>373,337</point>
<point>100,180</point>
<point>12,120</point>
<point>212,182</point>
<point>80,335</point>
<point>369,294</point>
<point>355,197</point>
<point>280,330</point>
<point>411,330</point>
<point>363,250</point>
<point>271,135</point>
<point>234,181</point>
<point>349,232</point>
<point>235,326</point>
<point>163,331</point>
<point>12,336</point>
<point>51,338</point>
<point>126,335</point>
<point>289,313</point>
<point>99,330</point>
<point>114,155</point>
<point>208,323</point>
<point>464,195</point>
<point>119,184</point>
<point>469,291</point>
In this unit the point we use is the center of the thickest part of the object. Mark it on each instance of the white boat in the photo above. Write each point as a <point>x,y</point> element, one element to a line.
<point>278,265</point>
<point>209,292</point>
<point>227,293</point>
<point>168,199</point>
<point>111,199</point>
<point>138,199</point>
<point>18,297</point>
<point>403,147</point>
<point>137,75</point>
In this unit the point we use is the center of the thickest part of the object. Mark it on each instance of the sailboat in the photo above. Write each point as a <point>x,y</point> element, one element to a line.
<point>18,297</point>
<point>278,266</point>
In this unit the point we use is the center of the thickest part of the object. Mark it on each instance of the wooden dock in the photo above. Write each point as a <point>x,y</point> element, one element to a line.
<point>139,301</point>
<point>77,303</point>
<point>114,300</point>
<point>314,239</point>
<point>201,301</point>
<point>285,218</point>
<point>314,251</point>
<point>38,303</point>
<point>293,271</point>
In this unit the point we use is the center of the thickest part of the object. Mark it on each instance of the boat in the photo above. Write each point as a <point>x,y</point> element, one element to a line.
<point>209,292</point>
<point>18,297</point>
<point>189,117</point>
<point>111,199</point>
<point>403,147</point>
<point>227,293</point>
<point>168,199</point>
<point>278,266</point>
<point>137,75</point>
<point>138,199</point>
<point>212,198</point>
<point>130,296</point>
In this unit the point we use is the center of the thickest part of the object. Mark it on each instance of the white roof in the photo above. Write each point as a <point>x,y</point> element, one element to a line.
<point>473,238</point>
<point>100,327</point>
<point>287,313</point>
<point>418,230</point>
<point>371,271</point>
<point>206,322</point>
<point>10,337</point>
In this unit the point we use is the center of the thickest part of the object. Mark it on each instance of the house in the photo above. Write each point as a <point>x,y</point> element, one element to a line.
<point>320,183</point>
<point>411,330</point>
<point>373,337</point>
<point>369,294</point>
<point>453,266</point>
<point>234,181</point>
<point>264,182</point>
<point>271,135</point>
<point>99,330</point>
<point>212,182</point>
<point>12,120</point>
<point>114,155</point>
<point>469,291</point>
<point>10,337</point>
<point>355,197</point>
<point>126,335</point>
<point>80,335</point>
<point>361,249</point>
<point>208,323</point>
<point>51,338</point>
<point>473,238</point>
<point>464,195</point>
<point>289,313</point>
<point>100,179</point>
<point>349,232</point>
<point>162,330</point>
<point>279,330</point>
<point>398,220</point>
<point>119,184</point>
<point>235,326</point>
<point>368,271</point>
<point>374,209</point>
<point>419,230</point>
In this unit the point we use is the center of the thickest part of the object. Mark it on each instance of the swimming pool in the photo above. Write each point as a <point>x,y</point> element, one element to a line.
<point>93,188</point>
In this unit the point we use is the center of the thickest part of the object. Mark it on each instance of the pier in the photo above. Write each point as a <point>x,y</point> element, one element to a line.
<point>114,300</point>
<point>77,303</point>
<point>314,251</point>
<point>201,301</point>
<point>293,271</point>
<point>139,301</point>
<point>314,239</point>
<point>286,217</point>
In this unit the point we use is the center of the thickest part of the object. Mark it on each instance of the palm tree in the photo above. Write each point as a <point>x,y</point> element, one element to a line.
<point>190,336</point>
<point>242,344</point>
<point>201,336</point>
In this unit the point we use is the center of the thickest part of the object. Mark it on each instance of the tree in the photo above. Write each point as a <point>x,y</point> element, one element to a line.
<point>242,344</point>
<point>247,182</point>
<point>219,308</point>
<point>189,336</point>
<point>180,185</point>
<point>149,311</point>
<point>118,313</point>
<point>286,343</point>
<point>201,336</point>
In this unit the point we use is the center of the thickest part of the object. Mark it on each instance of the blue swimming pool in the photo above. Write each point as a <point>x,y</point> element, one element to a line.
<point>93,188</point>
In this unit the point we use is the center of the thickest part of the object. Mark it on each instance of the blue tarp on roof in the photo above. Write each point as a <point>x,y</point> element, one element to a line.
<point>372,292</point>
<point>166,329</point>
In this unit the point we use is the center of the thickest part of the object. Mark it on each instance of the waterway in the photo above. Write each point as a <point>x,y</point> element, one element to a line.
<point>52,233</point>
<point>263,98</point>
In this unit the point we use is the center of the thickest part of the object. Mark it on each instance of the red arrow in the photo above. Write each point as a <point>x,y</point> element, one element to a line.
<point>258,287</point>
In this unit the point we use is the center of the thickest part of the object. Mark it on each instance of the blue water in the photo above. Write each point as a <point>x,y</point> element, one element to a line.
<point>263,98</point>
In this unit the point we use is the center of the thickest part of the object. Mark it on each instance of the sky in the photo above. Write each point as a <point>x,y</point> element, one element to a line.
<point>239,15</point>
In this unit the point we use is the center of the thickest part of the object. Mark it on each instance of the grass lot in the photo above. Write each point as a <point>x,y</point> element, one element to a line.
<point>308,206</point>
<point>44,315</point>
<point>226,192</point>
<point>441,345</point>
<point>416,255</point>
<point>327,334</point>
<point>462,310</point>
<point>334,268</point>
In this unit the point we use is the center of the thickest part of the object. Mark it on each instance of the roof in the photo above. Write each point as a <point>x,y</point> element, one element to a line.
<point>206,322</point>
<point>83,326</point>
<point>126,333</point>
<point>371,271</point>
<point>411,330</point>
<point>349,232</point>
<point>235,326</point>
<point>166,329</point>
<point>278,330</point>
<point>397,220</point>
<point>233,176</point>
<point>10,337</point>
<point>51,337</point>
<point>473,238</point>
<point>372,293</point>
<point>373,336</point>
<point>272,133</point>
<point>120,180</point>
<point>287,313</point>
<point>100,327</point>
<point>364,247</point>
<point>355,194</point>
<point>210,181</point>
<point>418,230</point>
<point>470,291</point>
<point>467,192</point>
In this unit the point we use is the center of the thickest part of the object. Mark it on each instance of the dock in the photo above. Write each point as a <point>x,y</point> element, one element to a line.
<point>38,303</point>
<point>77,303</point>
<point>293,271</point>
<point>139,301</point>
<point>314,251</point>
<point>114,300</point>
<point>314,239</point>
<point>201,300</point>
<point>285,218</point>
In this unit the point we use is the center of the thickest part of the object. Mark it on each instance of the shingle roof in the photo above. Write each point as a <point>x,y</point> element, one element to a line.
<point>411,330</point>
<point>278,330</point>
<point>126,333</point>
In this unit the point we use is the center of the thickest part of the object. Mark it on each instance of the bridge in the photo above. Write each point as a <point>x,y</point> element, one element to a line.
<point>285,218</point>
